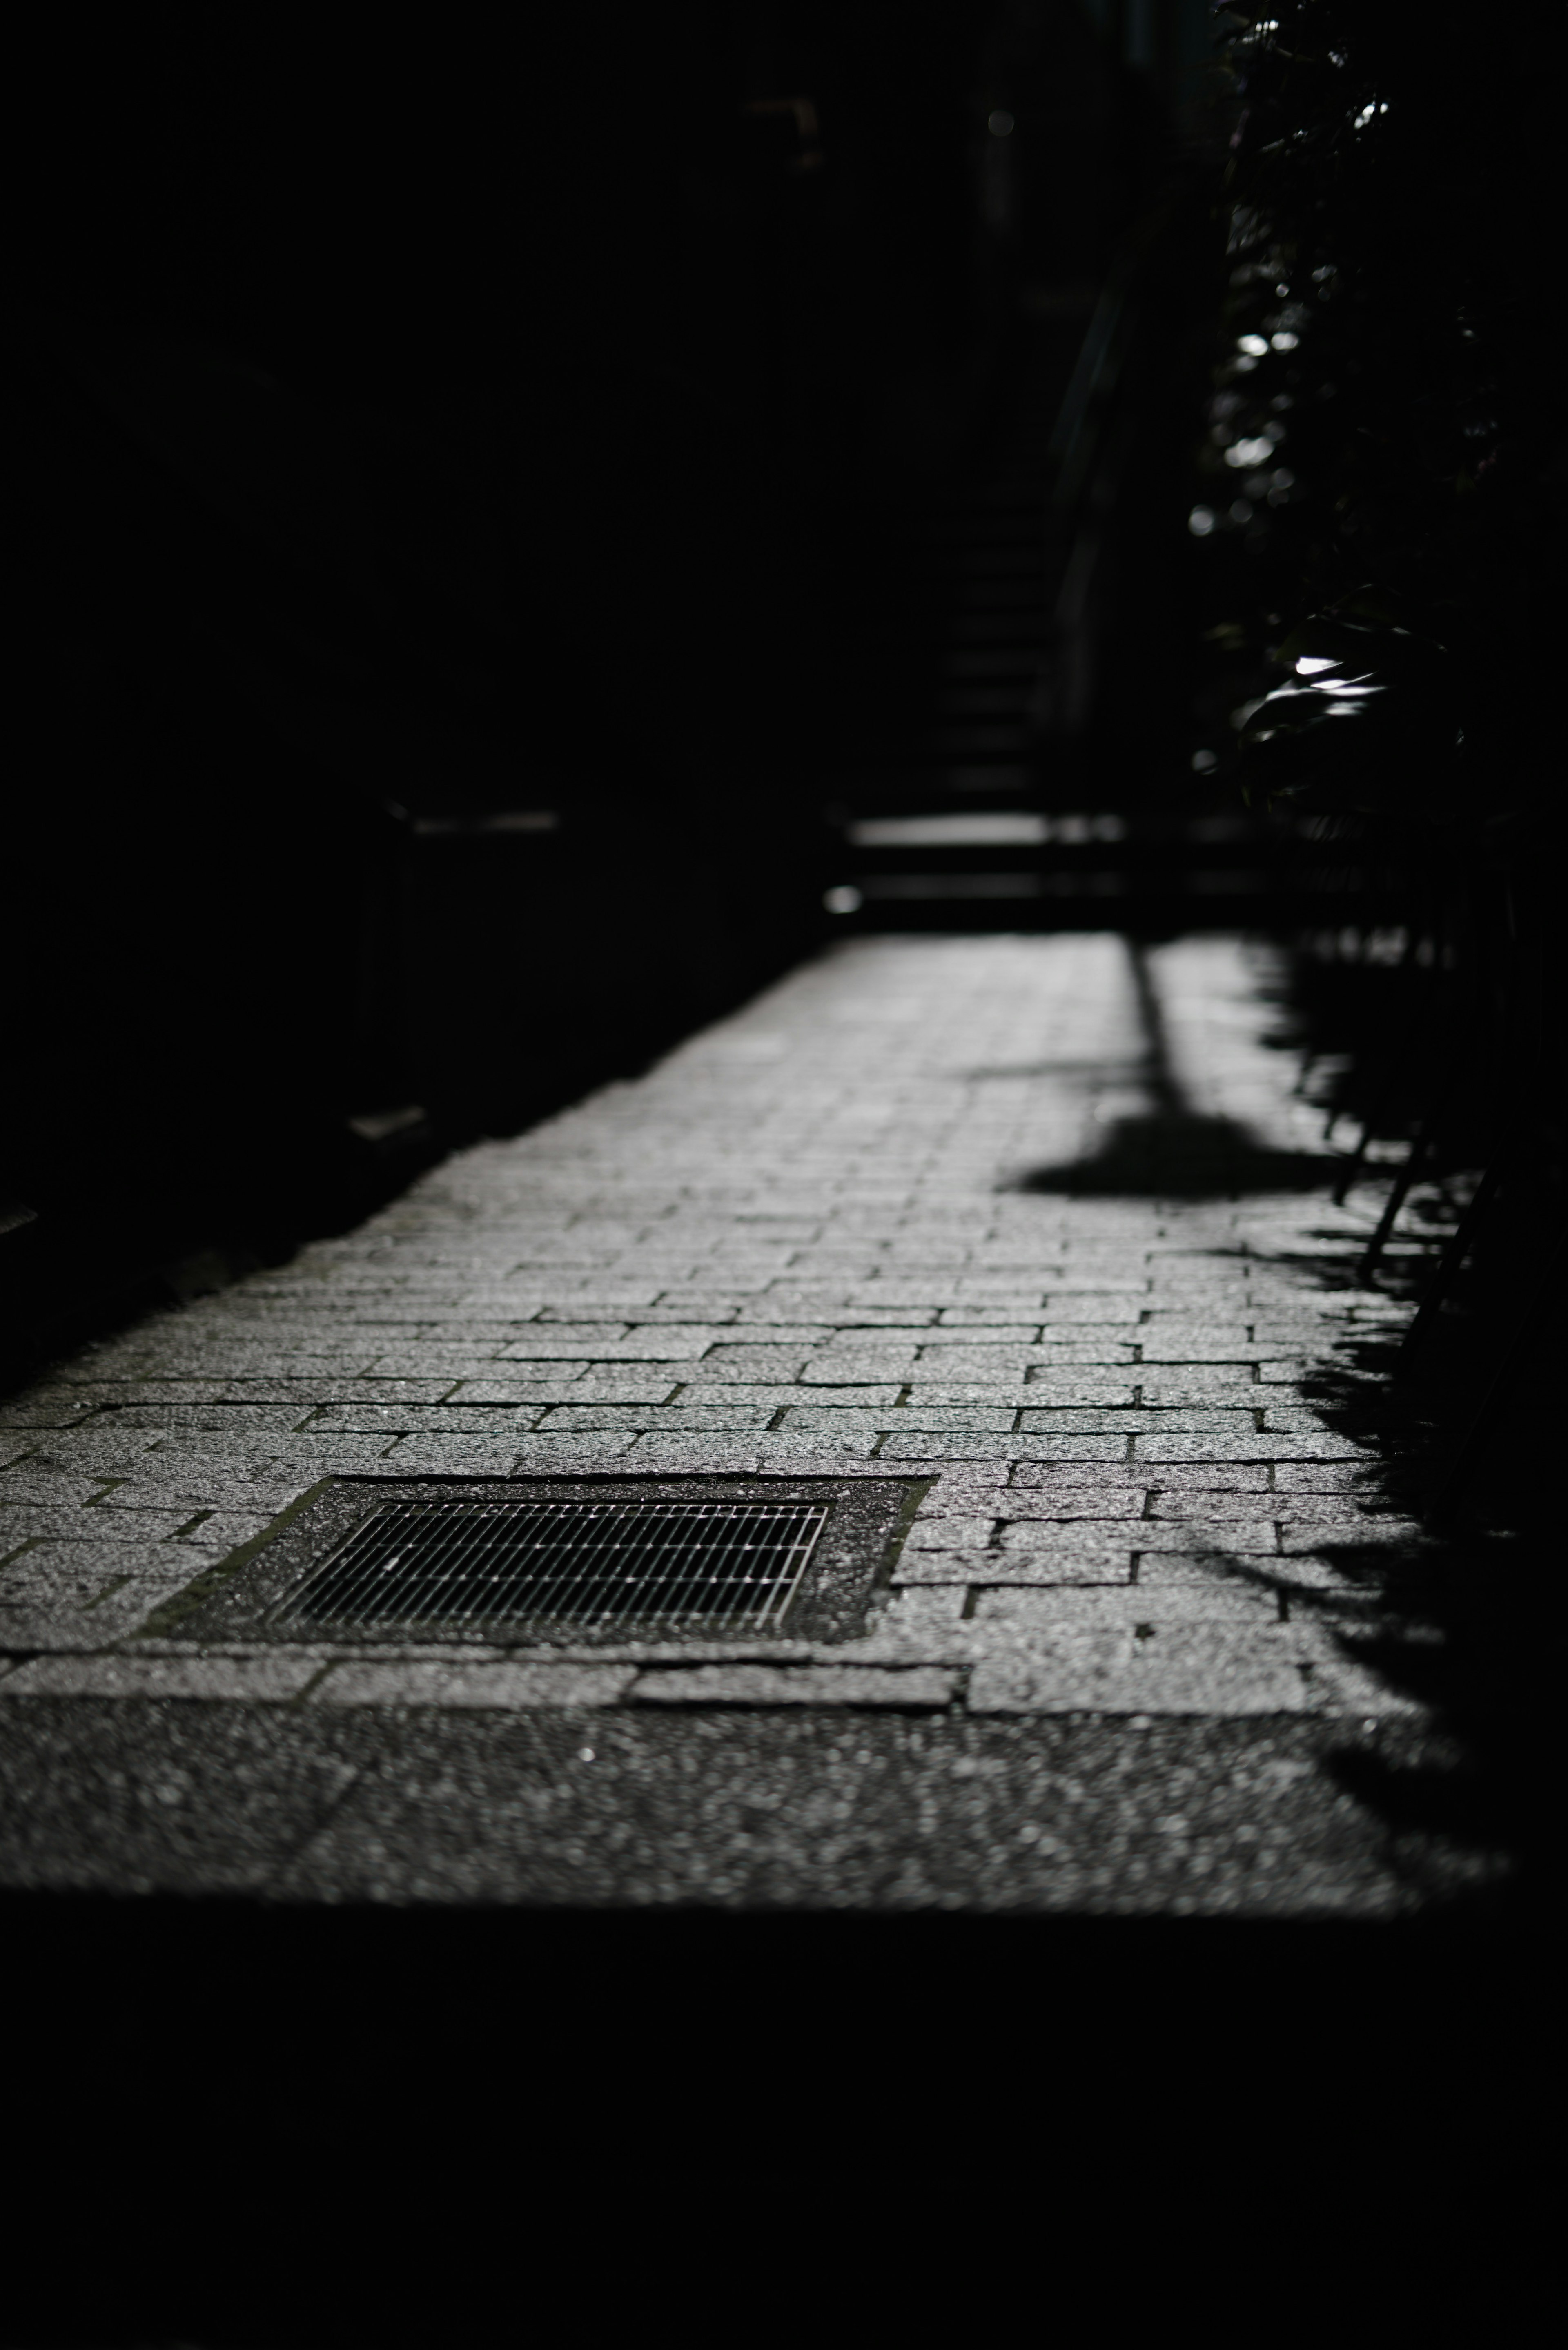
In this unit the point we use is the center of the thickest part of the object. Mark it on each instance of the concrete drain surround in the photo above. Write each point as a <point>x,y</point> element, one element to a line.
<point>517,1561</point>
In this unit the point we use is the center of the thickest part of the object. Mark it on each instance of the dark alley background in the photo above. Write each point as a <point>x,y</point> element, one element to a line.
<point>526,529</point>
<point>488,513</point>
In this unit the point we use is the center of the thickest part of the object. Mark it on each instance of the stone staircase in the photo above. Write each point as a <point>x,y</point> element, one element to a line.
<point>964,794</point>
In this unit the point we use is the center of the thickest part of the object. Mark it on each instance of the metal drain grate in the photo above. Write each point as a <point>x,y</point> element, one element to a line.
<point>586,1563</point>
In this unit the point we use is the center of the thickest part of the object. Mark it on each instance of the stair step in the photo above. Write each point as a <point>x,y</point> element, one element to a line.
<point>1003,562</point>
<point>1019,662</point>
<point>985,701</point>
<point>1001,627</point>
<point>950,829</point>
<point>1000,529</point>
<point>908,786</point>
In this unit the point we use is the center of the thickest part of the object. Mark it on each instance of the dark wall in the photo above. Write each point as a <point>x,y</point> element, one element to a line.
<point>411,425</point>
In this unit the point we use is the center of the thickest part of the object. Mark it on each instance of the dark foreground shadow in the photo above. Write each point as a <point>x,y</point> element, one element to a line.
<point>260,2128</point>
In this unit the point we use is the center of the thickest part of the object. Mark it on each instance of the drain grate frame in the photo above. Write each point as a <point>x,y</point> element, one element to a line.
<point>541,1562</point>
<point>598,1566</point>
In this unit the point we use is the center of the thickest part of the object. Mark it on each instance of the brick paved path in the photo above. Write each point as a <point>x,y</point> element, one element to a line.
<point>829,1235</point>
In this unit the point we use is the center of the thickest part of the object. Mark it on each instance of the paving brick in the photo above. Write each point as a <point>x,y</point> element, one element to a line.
<point>956,1562</point>
<point>1211,1507</point>
<point>179,1493</point>
<point>1207,1668</point>
<point>580,1313</point>
<point>1362,1533</point>
<point>27,1526</point>
<point>1167,1388</point>
<point>62,1578</point>
<point>1074,1319</point>
<point>214,1419</point>
<point>769,1685</point>
<point>1122,1608</point>
<point>96,1452</point>
<point>671,1419</point>
<point>773,1398</point>
<point>186,1460</point>
<point>934,1345</point>
<point>236,1677</point>
<point>1188,1570</point>
<point>568,1450</point>
<point>1160,1326</point>
<point>48,1407</point>
<point>509,1686</point>
<point>958,1487</point>
<point>1151,1534</point>
<point>772,1366</point>
<point>849,1321</point>
<point>1043,1387</point>
<point>1141,1423</point>
<point>697,1456</point>
<point>912,1419</point>
<point>552,1383</point>
<point>1326,1446</point>
<point>1003,1448</point>
<point>1328,1509</point>
<point>674,1342</point>
<point>961,1530</point>
<point>1233,1477</point>
<point>23,1490</point>
<point>917,1611</point>
<point>1058,1352</point>
<point>1093,1561</point>
<point>1155,1348</point>
<point>805,1445</point>
<point>425,1420</point>
<point>324,1456</point>
<point>312,1392</point>
<point>425,1362</point>
<point>1308,1572</point>
<point>127,1549</point>
<point>59,1617</point>
<point>222,1531</point>
<point>1075,1501</point>
<point>1321,1477</point>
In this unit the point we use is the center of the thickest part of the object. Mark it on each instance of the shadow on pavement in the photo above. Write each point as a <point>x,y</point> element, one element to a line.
<point>1171,1151</point>
<point>1175,1154</point>
<point>1468,1625</point>
<point>1462,1618</point>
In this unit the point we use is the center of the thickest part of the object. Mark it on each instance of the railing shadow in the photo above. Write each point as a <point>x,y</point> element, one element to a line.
<point>1467,1627</point>
<point>1173,1152</point>
<point>1457,1619</point>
